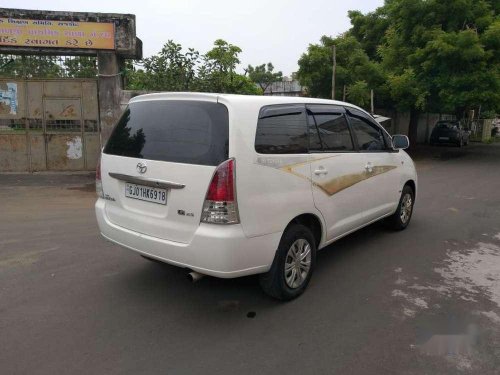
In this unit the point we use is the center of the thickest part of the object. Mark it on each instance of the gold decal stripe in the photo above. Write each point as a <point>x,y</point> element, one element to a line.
<point>337,184</point>
<point>340,183</point>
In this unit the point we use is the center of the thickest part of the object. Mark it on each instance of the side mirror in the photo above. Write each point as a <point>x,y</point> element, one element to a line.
<point>400,142</point>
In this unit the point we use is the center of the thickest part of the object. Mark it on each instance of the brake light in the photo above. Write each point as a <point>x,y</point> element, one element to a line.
<point>220,206</point>
<point>98,180</point>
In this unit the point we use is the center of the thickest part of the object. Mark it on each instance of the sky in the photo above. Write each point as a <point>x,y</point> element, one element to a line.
<point>276,31</point>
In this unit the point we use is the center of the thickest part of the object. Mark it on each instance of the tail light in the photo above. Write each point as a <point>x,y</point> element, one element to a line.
<point>98,180</point>
<point>220,206</point>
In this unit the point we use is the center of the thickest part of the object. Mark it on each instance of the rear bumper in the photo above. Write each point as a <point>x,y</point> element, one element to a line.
<point>451,139</point>
<point>215,250</point>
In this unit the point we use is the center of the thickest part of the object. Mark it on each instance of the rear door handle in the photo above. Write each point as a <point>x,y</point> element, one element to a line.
<point>320,171</point>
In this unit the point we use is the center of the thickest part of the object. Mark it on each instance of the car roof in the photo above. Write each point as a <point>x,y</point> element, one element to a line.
<point>240,99</point>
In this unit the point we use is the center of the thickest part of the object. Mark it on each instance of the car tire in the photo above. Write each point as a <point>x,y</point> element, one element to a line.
<point>293,264</point>
<point>401,218</point>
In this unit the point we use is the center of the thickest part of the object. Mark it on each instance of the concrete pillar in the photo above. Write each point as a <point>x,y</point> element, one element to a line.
<point>487,126</point>
<point>110,86</point>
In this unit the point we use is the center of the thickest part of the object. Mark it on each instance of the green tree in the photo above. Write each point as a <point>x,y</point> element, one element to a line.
<point>441,56</point>
<point>353,67</point>
<point>263,75</point>
<point>30,66</point>
<point>417,55</point>
<point>359,94</point>
<point>173,70</point>
<point>81,67</point>
<point>169,70</point>
<point>369,30</point>
<point>217,73</point>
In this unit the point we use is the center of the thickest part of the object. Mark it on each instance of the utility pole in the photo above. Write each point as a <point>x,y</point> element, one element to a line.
<point>371,100</point>
<point>334,48</point>
<point>344,94</point>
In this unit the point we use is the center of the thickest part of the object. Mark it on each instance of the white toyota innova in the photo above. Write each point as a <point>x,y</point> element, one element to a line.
<point>230,185</point>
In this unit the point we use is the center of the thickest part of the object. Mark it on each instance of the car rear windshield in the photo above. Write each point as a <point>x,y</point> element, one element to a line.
<point>179,131</point>
<point>446,125</point>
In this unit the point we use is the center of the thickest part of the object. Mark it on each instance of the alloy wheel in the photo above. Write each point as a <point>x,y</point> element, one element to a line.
<point>406,208</point>
<point>297,263</point>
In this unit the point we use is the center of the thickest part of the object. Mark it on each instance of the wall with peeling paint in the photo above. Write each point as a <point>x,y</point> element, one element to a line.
<point>61,124</point>
<point>55,128</point>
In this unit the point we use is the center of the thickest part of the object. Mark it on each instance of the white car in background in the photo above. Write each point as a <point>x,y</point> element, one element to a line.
<point>229,185</point>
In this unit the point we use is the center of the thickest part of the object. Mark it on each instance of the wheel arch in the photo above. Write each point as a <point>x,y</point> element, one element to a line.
<point>413,186</point>
<point>311,221</point>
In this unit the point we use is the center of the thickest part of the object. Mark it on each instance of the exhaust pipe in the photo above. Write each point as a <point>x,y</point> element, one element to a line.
<point>195,276</point>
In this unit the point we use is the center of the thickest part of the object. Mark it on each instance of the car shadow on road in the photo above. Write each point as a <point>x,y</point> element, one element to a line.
<point>165,286</point>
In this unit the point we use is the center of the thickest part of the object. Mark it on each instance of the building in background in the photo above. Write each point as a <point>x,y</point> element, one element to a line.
<point>286,87</point>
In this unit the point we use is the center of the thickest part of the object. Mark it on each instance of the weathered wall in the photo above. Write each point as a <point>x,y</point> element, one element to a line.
<point>110,88</point>
<point>52,125</point>
<point>30,150</point>
<point>486,130</point>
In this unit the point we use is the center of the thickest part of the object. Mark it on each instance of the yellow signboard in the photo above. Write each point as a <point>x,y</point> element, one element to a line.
<point>56,34</point>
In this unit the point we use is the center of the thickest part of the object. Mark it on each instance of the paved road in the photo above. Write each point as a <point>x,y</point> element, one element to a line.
<point>422,301</point>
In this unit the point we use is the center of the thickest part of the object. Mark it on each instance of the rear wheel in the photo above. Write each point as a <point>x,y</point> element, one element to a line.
<point>293,264</point>
<point>401,218</point>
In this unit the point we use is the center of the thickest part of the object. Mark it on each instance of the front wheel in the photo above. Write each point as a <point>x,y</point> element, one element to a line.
<point>293,264</point>
<point>401,218</point>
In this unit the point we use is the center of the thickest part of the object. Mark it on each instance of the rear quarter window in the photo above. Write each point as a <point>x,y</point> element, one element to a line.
<point>282,129</point>
<point>190,132</point>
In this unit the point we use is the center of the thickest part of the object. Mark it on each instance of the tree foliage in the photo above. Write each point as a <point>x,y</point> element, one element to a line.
<point>174,70</point>
<point>30,66</point>
<point>441,55</point>
<point>359,93</point>
<point>81,67</point>
<point>353,67</point>
<point>170,69</point>
<point>418,55</point>
<point>263,75</point>
<point>369,29</point>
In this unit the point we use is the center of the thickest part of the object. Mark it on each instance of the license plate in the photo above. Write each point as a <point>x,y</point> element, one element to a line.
<point>444,138</point>
<point>146,193</point>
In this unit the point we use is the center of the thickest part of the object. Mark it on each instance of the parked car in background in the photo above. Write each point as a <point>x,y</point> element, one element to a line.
<point>450,132</point>
<point>234,185</point>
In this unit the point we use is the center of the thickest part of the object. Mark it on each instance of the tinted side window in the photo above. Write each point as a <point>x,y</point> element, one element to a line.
<point>369,136</point>
<point>282,129</point>
<point>328,130</point>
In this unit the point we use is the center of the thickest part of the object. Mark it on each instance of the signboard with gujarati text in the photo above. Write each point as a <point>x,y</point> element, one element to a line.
<point>56,34</point>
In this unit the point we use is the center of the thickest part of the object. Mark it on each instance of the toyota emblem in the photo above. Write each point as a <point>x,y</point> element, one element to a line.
<point>142,168</point>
